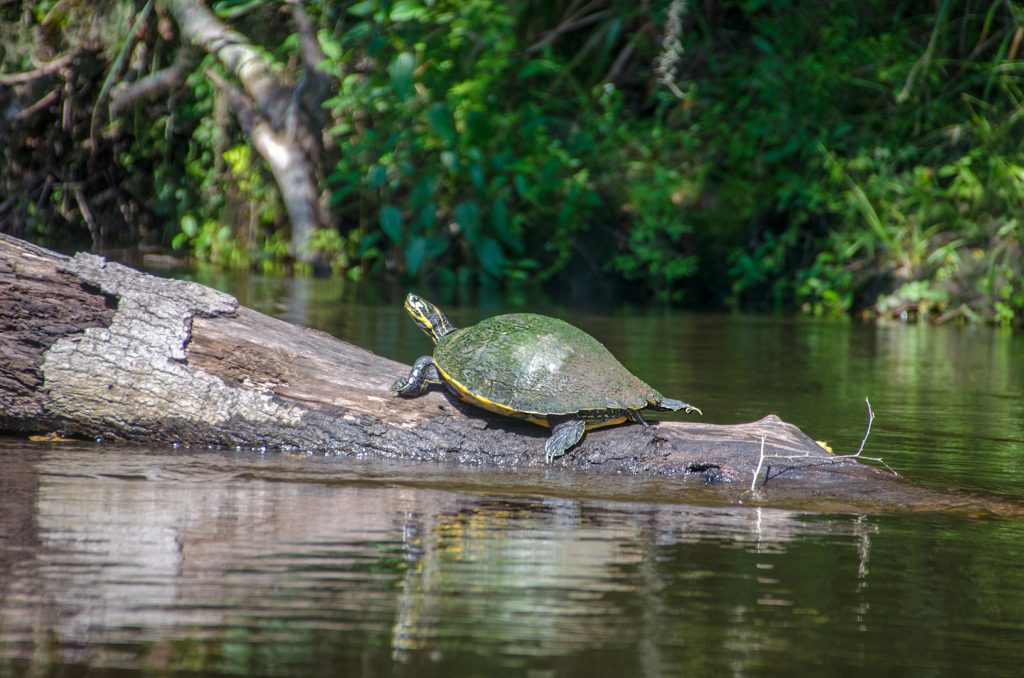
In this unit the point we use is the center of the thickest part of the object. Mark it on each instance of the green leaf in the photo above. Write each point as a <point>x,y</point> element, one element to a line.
<point>401,71</point>
<point>391,223</point>
<point>467,216</point>
<point>522,186</point>
<point>367,242</point>
<point>189,225</point>
<point>428,218</point>
<point>331,46</point>
<point>499,220</point>
<point>762,44</point>
<point>537,66</point>
<point>406,10</point>
<point>479,126</point>
<point>377,176</point>
<point>476,175</point>
<point>492,259</point>
<point>422,249</point>
<point>365,8</point>
<point>450,161</point>
<point>232,9</point>
<point>441,120</point>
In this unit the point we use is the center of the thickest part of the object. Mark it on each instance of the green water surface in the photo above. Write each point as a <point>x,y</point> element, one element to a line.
<point>128,560</point>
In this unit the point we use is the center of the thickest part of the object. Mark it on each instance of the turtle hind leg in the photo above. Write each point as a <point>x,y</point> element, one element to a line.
<point>673,405</point>
<point>423,374</point>
<point>563,436</point>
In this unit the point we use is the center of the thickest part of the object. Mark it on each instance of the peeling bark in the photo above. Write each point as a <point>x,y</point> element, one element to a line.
<point>97,349</point>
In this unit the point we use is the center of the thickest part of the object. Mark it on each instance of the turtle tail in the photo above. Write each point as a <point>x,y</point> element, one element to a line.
<point>672,405</point>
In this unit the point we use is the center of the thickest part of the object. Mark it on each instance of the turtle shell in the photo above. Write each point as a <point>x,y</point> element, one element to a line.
<point>531,363</point>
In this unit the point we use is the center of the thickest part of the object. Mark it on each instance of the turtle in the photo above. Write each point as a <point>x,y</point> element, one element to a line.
<point>531,367</point>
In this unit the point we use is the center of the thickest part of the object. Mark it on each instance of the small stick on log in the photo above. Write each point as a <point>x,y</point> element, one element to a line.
<point>807,459</point>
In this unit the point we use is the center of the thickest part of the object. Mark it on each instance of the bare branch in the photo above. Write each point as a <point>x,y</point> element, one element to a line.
<point>49,68</point>
<point>90,222</point>
<point>807,459</point>
<point>115,71</point>
<point>757,471</point>
<point>153,85</point>
<point>48,99</point>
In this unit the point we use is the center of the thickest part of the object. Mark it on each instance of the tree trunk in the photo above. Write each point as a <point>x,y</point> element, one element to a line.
<point>98,350</point>
<point>284,128</point>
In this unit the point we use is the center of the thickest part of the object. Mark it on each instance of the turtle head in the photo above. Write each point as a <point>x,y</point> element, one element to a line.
<point>428,317</point>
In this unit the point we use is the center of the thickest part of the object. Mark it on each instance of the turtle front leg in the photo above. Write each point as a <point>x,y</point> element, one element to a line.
<point>675,405</point>
<point>423,374</point>
<point>563,436</point>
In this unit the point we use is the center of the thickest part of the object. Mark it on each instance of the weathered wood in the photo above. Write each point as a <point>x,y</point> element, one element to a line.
<point>96,349</point>
<point>38,306</point>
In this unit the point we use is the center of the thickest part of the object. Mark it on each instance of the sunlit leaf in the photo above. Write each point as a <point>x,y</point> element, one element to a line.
<point>330,44</point>
<point>401,73</point>
<point>365,8</point>
<point>189,225</point>
<point>406,10</point>
<point>232,9</point>
<point>450,161</point>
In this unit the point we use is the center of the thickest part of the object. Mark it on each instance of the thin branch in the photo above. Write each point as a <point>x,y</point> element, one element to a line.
<point>867,432</point>
<point>48,68</point>
<point>925,60</point>
<point>48,99</point>
<point>567,26</point>
<point>115,71</point>
<point>757,471</point>
<point>154,84</point>
<point>90,222</point>
<point>808,460</point>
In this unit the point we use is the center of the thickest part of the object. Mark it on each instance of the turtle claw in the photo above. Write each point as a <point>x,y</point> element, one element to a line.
<point>423,374</point>
<point>691,408</point>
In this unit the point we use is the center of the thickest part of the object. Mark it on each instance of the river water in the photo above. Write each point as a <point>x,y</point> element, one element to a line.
<point>130,560</point>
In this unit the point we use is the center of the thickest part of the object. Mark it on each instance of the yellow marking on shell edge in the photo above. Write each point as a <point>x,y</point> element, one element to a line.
<point>468,396</point>
<point>601,424</point>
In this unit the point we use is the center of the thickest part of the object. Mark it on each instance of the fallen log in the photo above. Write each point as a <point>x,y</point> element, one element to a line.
<point>95,349</point>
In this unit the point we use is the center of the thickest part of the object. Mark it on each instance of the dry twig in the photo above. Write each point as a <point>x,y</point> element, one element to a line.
<point>806,460</point>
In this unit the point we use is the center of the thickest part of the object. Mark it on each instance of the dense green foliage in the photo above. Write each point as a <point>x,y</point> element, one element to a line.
<point>832,156</point>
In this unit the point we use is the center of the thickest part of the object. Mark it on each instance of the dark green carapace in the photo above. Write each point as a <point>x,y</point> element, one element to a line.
<point>531,367</point>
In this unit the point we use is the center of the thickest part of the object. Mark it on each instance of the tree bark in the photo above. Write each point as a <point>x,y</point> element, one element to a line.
<point>98,350</point>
